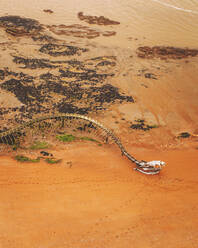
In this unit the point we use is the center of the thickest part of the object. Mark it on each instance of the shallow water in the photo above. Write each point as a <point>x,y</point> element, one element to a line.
<point>150,22</point>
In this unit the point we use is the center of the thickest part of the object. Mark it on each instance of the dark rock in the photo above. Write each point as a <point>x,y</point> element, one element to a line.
<point>16,25</point>
<point>101,20</point>
<point>140,125</point>
<point>150,75</point>
<point>25,94</point>
<point>106,62</point>
<point>44,153</point>
<point>108,93</point>
<point>89,75</point>
<point>165,52</point>
<point>69,108</point>
<point>184,135</point>
<point>43,38</point>
<point>61,50</point>
<point>2,74</point>
<point>33,63</point>
<point>48,11</point>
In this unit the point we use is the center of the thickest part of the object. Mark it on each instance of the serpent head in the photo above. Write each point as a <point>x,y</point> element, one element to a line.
<point>151,167</point>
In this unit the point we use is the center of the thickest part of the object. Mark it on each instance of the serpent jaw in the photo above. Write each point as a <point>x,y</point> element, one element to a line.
<point>151,167</point>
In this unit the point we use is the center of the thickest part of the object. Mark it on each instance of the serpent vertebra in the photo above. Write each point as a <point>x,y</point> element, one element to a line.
<point>152,167</point>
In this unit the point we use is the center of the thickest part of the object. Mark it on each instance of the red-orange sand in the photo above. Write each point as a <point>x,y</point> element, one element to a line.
<point>100,201</point>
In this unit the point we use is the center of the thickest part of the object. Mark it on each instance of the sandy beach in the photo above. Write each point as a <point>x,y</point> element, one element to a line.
<point>99,202</point>
<point>130,65</point>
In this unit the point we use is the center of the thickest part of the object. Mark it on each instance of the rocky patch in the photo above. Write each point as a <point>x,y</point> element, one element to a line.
<point>17,26</point>
<point>61,50</point>
<point>140,125</point>
<point>33,63</point>
<point>46,85</point>
<point>23,77</point>
<point>78,31</point>
<point>165,52</point>
<point>49,11</point>
<point>150,75</point>
<point>73,86</point>
<point>24,93</point>
<point>99,20</point>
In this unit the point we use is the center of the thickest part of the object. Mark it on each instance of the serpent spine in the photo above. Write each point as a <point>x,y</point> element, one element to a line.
<point>142,166</point>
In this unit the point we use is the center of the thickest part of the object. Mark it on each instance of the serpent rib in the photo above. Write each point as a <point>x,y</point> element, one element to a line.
<point>152,167</point>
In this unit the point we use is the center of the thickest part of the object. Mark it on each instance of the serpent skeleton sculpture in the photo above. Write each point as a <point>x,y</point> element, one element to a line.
<point>10,137</point>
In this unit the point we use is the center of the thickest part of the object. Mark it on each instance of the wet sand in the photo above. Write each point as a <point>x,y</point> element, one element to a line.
<point>100,201</point>
<point>152,22</point>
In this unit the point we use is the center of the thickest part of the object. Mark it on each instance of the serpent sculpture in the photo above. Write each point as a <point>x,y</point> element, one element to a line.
<point>10,137</point>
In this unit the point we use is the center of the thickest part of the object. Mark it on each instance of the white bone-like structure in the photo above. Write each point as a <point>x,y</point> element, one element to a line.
<point>149,168</point>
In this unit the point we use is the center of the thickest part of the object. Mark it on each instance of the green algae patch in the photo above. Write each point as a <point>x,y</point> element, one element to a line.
<point>21,158</point>
<point>66,137</point>
<point>39,145</point>
<point>70,138</point>
<point>52,161</point>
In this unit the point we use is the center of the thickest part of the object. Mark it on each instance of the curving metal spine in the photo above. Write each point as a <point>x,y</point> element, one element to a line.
<point>152,167</point>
